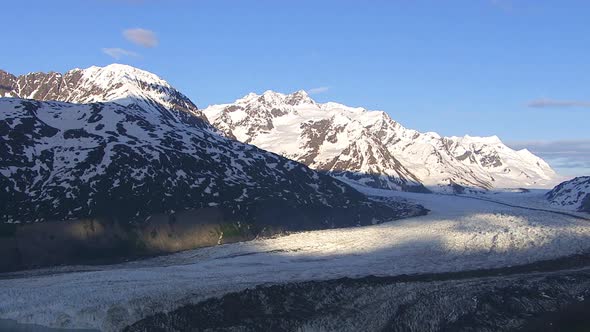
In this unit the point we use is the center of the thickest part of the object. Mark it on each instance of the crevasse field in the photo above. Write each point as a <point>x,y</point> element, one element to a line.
<point>460,233</point>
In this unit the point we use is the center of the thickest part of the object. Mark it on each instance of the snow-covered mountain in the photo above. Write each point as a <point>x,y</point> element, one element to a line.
<point>370,148</point>
<point>121,141</point>
<point>573,194</point>
<point>118,83</point>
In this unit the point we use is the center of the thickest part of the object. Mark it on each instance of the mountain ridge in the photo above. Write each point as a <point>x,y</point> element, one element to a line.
<point>119,83</point>
<point>140,174</point>
<point>573,194</point>
<point>120,109</point>
<point>327,136</point>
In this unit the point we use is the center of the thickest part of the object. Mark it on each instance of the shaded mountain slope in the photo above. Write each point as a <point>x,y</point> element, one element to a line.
<point>573,194</point>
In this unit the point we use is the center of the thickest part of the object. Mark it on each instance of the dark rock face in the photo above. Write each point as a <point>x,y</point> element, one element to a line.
<point>7,83</point>
<point>123,164</point>
<point>491,160</point>
<point>487,300</point>
<point>457,189</point>
<point>585,206</point>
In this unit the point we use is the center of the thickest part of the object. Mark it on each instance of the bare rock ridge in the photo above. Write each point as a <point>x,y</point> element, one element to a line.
<point>124,165</point>
<point>370,148</point>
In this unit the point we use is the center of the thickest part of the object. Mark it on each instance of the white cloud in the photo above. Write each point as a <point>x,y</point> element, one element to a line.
<point>142,37</point>
<point>118,53</point>
<point>318,90</point>
<point>570,157</point>
<point>552,103</point>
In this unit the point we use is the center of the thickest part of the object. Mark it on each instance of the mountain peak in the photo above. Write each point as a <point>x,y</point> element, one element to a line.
<point>105,76</point>
<point>276,99</point>
<point>273,96</point>
<point>301,92</point>
<point>116,82</point>
<point>299,97</point>
<point>117,67</point>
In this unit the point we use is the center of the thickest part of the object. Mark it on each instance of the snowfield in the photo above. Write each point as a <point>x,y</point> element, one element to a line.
<point>458,234</point>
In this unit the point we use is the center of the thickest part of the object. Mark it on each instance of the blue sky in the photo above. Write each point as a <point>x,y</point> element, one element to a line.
<point>519,69</point>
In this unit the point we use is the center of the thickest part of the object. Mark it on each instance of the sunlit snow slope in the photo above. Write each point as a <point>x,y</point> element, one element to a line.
<point>371,148</point>
<point>123,84</point>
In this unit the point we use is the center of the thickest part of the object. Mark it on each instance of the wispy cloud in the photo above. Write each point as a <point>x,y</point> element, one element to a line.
<point>142,37</point>
<point>318,90</point>
<point>552,103</point>
<point>118,53</point>
<point>571,157</point>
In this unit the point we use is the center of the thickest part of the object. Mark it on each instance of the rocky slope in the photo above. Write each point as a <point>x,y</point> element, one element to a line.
<point>573,194</point>
<point>148,153</point>
<point>370,148</point>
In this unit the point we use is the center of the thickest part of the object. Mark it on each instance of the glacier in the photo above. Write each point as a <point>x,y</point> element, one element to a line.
<point>458,234</point>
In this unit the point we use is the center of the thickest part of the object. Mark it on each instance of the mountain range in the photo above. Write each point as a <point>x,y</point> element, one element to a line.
<point>117,158</point>
<point>127,158</point>
<point>370,148</point>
